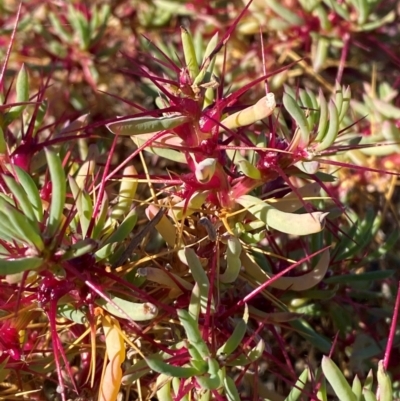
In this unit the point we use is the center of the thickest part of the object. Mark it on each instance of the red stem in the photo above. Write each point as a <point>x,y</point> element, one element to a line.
<point>393,328</point>
<point>3,70</point>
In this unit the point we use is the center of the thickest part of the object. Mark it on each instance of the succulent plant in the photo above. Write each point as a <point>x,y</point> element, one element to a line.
<point>208,243</point>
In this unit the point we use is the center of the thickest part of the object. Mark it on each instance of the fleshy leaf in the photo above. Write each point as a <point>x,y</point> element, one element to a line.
<point>12,266</point>
<point>58,193</point>
<point>296,391</point>
<point>136,311</point>
<point>336,379</point>
<point>301,283</point>
<point>385,384</point>
<point>162,367</point>
<point>260,110</point>
<point>193,333</point>
<point>299,117</point>
<point>22,89</point>
<point>236,337</point>
<point>146,125</point>
<point>189,258</point>
<point>290,223</point>
<point>126,194</point>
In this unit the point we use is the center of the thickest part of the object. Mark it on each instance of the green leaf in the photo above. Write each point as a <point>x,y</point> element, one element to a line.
<point>80,248</point>
<point>339,8</point>
<point>58,193</point>
<point>368,395</point>
<point>386,109</point>
<point>207,63</point>
<point>338,97</point>
<point>290,223</point>
<point>162,367</point>
<point>284,12</point>
<point>257,112</point>
<point>71,313</point>
<point>189,53</point>
<point>195,203</point>
<point>136,311</point>
<point>169,154</point>
<point>309,105</point>
<point>3,143</point>
<point>370,277</point>
<point>322,14</point>
<point>248,169</point>
<point>385,384</point>
<point>22,89</point>
<point>363,11</point>
<point>193,333</point>
<point>8,234</point>
<point>306,331</point>
<point>297,389</point>
<point>367,230</point>
<point>31,190</point>
<point>189,258</point>
<point>333,128</point>
<point>233,251</point>
<point>194,305</point>
<point>163,384</point>
<point>80,25</point>
<point>20,224</point>
<point>3,371</point>
<point>59,28</point>
<point>146,125</point>
<point>323,117</point>
<point>236,337</point>
<point>164,278</point>
<point>211,382</point>
<point>83,204</point>
<point>84,33</point>
<point>101,218</point>
<point>307,280</point>
<point>22,198</point>
<point>197,361</point>
<point>299,117</point>
<point>251,357</point>
<point>100,23</point>
<point>322,393</point>
<point>140,368</point>
<point>320,52</point>
<point>136,371</point>
<point>125,228</point>
<point>357,388</point>
<point>345,104</point>
<point>369,381</point>
<point>294,201</point>
<point>346,243</point>
<point>336,379</point>
<point>375,24</point>
<point>126,193</point>
<point>231,391</point>
<point>250,238</point>
<point>13,266</point>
